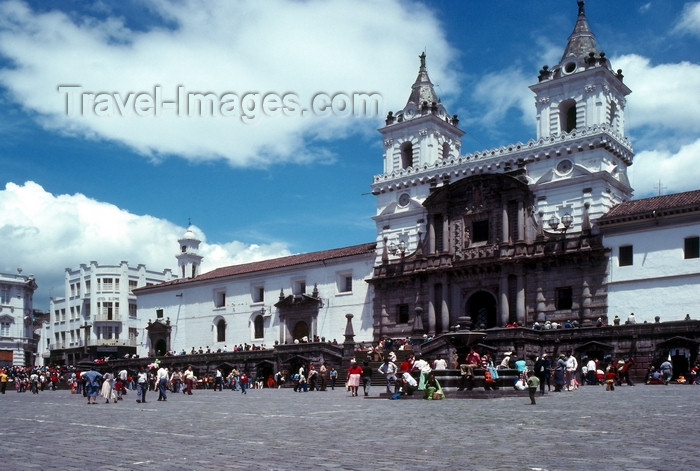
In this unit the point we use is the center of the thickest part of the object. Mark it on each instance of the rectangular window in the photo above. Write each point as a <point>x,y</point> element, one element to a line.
<point>513,220</point>
<point>691,248</point>
<point>159,313</point>
<point>480,231</point>
<point>219,298</point>
<point>344,282</point>
<point>564,298</point>
<point>5,329</point>
<point>402,314</point>
<point>132,309</point>
<point>87,287</point>
<point>133,284</point>
<point>5,295</point>
<point>299,287</point>
<point>439,232</point>
<point>625,256</point>
<point>258,293</point>
<point>107,284</point>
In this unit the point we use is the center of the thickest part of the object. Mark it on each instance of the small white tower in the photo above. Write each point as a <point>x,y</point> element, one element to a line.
<point>188,259</point>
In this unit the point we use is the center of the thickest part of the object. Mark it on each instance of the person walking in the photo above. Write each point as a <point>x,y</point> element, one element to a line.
<point>389,369</point>
<point>3,381</point>
<point>333,374</point>
<point>107,390</point>
<point>323,371</point>
<point>366,377</point>
<point>354,373</point>
<point>162,380</point>
<point>533,382</point>
<point>666,369</point>
<point>92,380</point>
<point>141,384</point>
<point>189,380</point>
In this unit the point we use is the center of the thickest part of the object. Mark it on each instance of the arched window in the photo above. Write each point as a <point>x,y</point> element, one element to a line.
<point>221,331</point>
<point>613,115</point>
<point>407,155</point>
<point>259,328</point>
<point>567,115</point>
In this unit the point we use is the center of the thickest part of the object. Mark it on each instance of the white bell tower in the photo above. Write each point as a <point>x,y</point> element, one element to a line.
<point>417,140</point>
<point>188,260</point>
<point>579,167</point>
<point>581,90</point>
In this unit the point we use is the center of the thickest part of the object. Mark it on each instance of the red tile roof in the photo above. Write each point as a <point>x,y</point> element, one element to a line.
<point>271,264</point>
<point>666,204</point>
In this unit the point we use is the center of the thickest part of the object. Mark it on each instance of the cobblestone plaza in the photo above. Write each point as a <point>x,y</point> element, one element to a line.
<point>631,428</point>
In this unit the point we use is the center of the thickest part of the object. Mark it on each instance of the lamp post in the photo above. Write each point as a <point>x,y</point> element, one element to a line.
<point>566,221</point>
<point>401,248</point>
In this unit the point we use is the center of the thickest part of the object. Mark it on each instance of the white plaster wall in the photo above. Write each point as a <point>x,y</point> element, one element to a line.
<point>193,314</point>
<point>660,281</point>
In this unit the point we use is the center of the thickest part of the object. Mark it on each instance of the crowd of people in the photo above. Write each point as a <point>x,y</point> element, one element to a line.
<point>32,378</point>
<point>561,373</point>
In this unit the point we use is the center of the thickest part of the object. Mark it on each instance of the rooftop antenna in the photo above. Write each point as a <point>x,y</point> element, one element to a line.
<point>660,187</point>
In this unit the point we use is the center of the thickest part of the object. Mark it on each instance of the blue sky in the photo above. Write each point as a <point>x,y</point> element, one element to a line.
<point>122,187</point>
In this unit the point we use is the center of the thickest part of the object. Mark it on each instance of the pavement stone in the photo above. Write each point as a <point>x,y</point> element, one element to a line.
<point>632,428</point>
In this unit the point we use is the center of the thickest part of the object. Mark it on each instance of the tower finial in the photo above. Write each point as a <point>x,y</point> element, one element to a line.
<point>422,60</point>
<point>189,222</point>
<point>581,7</point>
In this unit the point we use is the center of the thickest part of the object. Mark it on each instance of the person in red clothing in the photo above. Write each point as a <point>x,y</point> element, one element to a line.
<point>610,377</point>
<point>354,374</point>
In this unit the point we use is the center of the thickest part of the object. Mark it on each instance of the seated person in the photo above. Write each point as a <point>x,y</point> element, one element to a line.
<point>406,385</point>
<point>432,388</point>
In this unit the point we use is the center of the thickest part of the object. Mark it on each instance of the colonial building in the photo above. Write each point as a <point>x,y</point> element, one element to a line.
<point>509,234</point>
<point>654,265</point>
<point>17,342</point>
<point>98,315</point>
<point>261,304</point>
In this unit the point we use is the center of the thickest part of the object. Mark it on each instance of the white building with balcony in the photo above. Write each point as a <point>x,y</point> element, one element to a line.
<point>17,343</point>
<point>97,317</point>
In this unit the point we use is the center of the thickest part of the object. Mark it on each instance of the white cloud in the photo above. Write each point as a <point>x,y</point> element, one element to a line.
<point>675,171</point>
<point>689,22</point>
<point>240,47</point>
<point>660,94</point>
<point>501,91</point>
<point>44,234</point>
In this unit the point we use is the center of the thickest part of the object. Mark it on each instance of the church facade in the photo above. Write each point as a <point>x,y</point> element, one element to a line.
<point>507,235</point>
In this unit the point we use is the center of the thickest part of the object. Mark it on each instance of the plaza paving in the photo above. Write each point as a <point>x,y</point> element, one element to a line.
<point>632,428</point>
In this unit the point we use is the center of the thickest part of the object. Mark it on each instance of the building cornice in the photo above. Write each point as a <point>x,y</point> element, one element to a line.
<point>509,157</point>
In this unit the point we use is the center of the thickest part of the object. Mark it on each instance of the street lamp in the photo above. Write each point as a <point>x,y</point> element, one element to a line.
<point>401,248</point>
<point>566,221</point>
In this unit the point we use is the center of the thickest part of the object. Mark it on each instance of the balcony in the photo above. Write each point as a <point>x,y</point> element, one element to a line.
<point>94,343</point>
<point>107,318</point>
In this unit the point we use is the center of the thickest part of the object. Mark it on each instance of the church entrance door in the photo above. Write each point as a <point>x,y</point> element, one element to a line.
<point>481,308</point>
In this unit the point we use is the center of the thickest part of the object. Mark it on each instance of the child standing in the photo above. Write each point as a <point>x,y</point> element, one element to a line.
<point>533,382</point>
